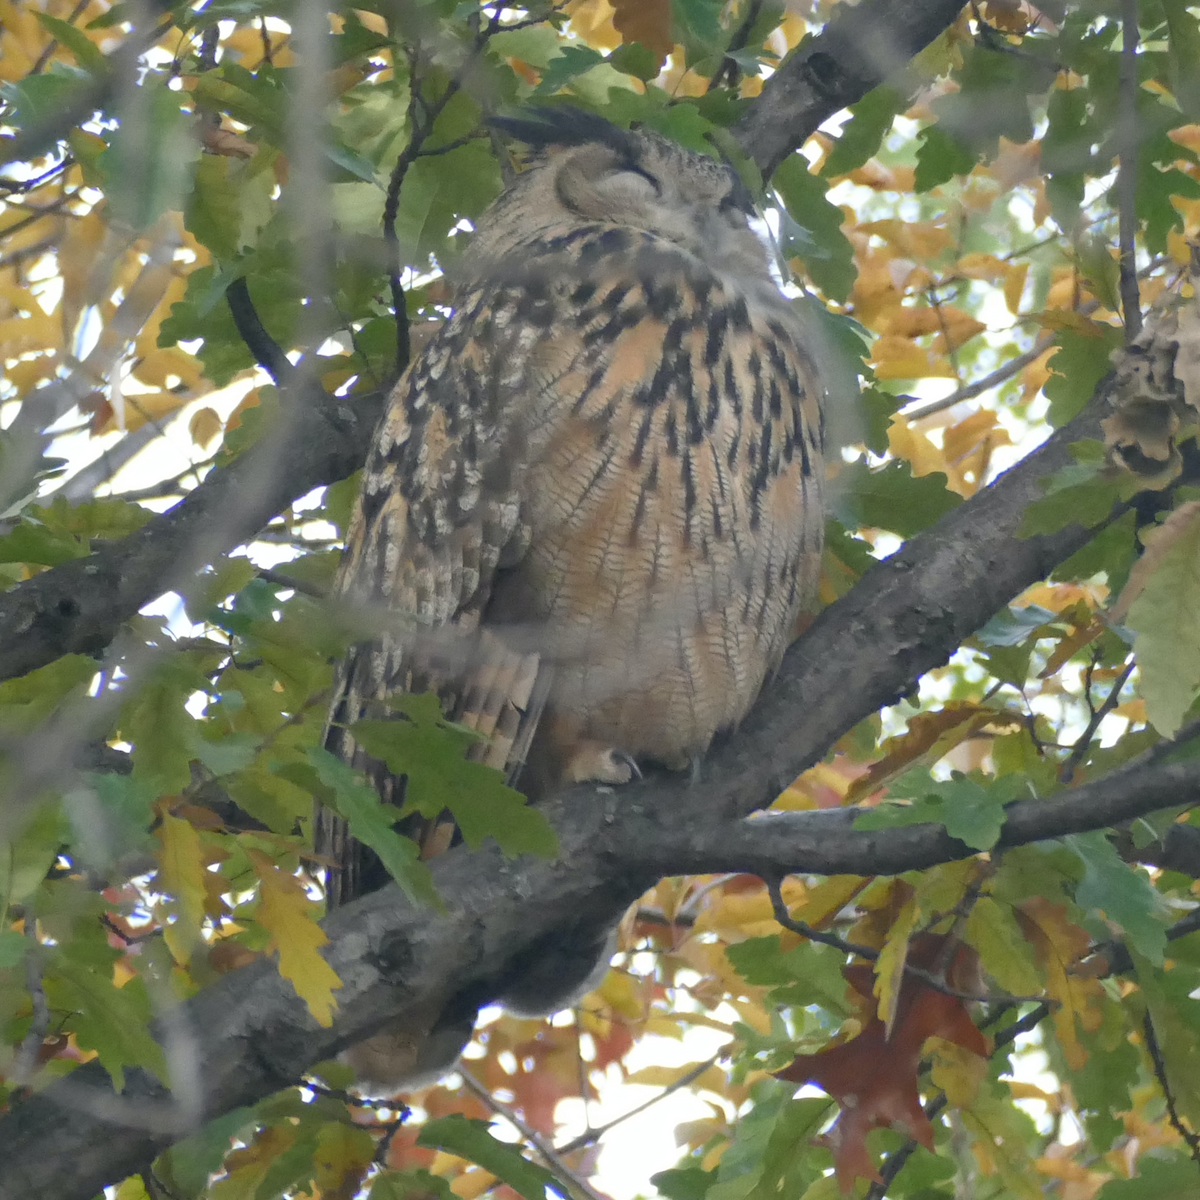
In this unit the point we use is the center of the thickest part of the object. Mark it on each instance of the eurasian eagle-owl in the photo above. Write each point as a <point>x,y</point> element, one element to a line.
<point>594,501</point>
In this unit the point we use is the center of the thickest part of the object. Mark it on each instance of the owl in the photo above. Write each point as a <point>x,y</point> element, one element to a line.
<point>592,511</point>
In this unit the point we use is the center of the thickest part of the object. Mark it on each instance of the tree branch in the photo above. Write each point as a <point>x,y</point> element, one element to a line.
<point>861,47</point>
<point>79,606</point>
<point>908,614</point>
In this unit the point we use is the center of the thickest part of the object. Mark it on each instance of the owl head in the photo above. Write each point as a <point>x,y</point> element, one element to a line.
<point>585,169</point>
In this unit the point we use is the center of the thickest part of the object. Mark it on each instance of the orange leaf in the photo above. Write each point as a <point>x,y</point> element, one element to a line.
<point>645,21</point>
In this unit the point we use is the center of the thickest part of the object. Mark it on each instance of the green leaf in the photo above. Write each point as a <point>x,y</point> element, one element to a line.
<point>1157,1178</point>
<point>1012,626</point>
<point>186,1166</point>
<point>1121,892</point>
<point>1166,619</point>
<point>147,166</point>
<point>25,702</point>
<point>213,213</point>
<point>1003,948</point>
<point>939,158</point>
<point>428,750</point>
<point>817,236</point>
<point>38,98</point>
<point>438,192</point>
<point>32,542</point>
<point>870,120</point>
<point>572,61</point>
<point>472,1140</point>
<point>29,855</point>
<point>636,60</point>
<point>115,1022</point>
<point>86,52</point>
<point>1081,493</point>
<point>12,948</point>
<point>890,497</point>
<point>372,821</point>
<point>400,1185</point>
<point>970,812</point>
<point>125,814</point>
<point>1183,56</point>
<point>1100,269</point>
<point>684,1183</point>
<point>161,729</point>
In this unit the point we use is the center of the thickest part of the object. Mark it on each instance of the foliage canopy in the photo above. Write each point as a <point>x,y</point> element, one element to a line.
<point>212,213</point>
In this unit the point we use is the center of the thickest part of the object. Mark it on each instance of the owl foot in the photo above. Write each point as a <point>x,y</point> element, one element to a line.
<point>596,762</point>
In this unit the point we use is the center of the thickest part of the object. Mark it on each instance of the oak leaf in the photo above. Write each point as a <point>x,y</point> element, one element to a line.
<point>874,1076</point>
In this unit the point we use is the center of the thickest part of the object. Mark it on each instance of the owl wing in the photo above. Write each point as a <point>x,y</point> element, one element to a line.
<point>439,512</point>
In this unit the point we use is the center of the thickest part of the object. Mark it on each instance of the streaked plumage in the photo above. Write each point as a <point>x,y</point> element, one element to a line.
<point>600,481</point>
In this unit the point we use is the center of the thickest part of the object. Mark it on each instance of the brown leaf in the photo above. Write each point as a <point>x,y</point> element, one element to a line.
<point>645,21</point>
<point>874,1078</point>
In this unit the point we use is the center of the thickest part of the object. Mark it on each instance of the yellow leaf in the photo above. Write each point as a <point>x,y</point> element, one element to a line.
<point>1058,945</point>
<point>900,358</point>
<point>1003,950</point>
<point>286,912</point>
<point>621,994</point>
<point>1065,318</point>
<point>1158,542</point>
<point>1014,286</point>
<point>182,874</point>
<point>928,737</point>
<point>889,968</point>
<point>827,899</point>
<point>907,442</point>
<point>957,1071</point>
<point>132,1189</point>
<point>740,915</point>
<point>342,1156</point>
<point>593,21</point>
<point>714,1079</point>
<point>204,426</point>
<point>472,1183</point>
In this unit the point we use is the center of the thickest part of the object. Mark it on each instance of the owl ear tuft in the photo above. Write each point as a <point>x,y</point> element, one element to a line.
<point>566,125</point>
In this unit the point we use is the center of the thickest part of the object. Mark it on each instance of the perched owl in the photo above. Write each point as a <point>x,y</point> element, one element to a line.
<point>592,511</point>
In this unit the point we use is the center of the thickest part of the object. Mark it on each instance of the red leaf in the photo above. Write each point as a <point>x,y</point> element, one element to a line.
<point>874,1079</point>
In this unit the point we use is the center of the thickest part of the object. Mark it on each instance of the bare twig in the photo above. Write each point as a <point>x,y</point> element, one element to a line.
<point>1127,135</point>
<point>1191,1138</point>
<point>267,352</point>
<point>1067,771</point>
<point>552,1157</point>
<point>595,1134</point>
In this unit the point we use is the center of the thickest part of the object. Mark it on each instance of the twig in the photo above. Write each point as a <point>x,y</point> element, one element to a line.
<point>1067,771</point>
<point>1010,368</point>
<point>1160,1073</point>
<point>22,186</point>
<point>926,977</point>
<point>283,579</point>
<point>52,44</point>
<point>1127,141</point>
<point>545,1150</point>
<point>266,350</point>
<point>729,71</point>
<point>25,1061</point>
<point>595,1134</point>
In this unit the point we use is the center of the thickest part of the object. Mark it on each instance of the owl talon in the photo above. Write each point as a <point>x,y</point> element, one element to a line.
<point>592,762</point>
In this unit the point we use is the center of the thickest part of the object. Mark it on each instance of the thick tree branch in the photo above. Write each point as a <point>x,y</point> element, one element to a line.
<point>907,615</point>
<point>79,606</point>
<point>860,48</point>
